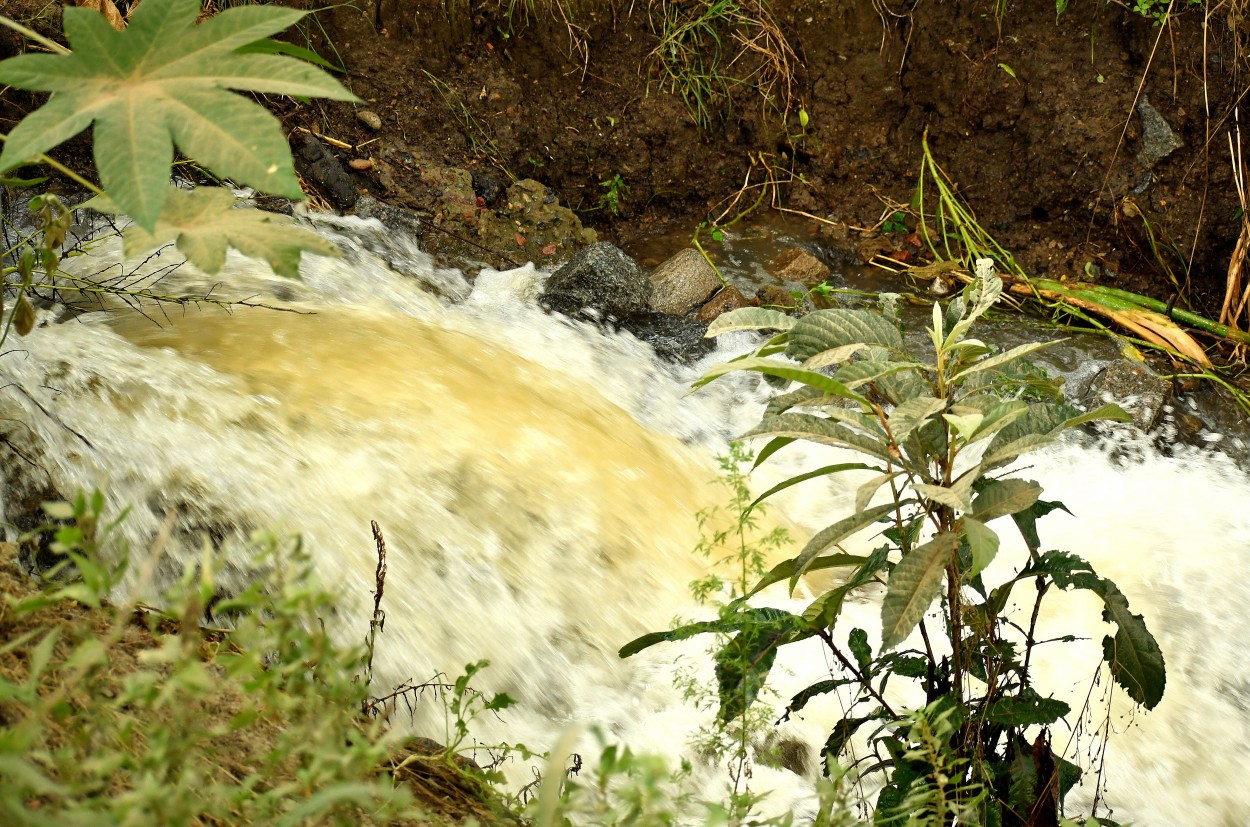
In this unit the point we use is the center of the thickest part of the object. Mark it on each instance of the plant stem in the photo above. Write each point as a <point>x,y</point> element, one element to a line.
<point>31,34</point>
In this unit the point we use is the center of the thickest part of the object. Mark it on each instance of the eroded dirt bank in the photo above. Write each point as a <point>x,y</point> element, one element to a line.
<point>1039,119</point>
<point>1046,123</point>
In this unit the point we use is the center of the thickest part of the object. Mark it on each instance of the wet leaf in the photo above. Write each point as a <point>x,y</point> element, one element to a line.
<point>1133,654</point>
<point>204,222</point>
<point>827,329</point>
<point>750,318</point>
<point>998,498</point>
<point>1025,711</point>
<point>913,585</point>
<point>23,316</point>
<point>983,543</point>
<point>829,537</point>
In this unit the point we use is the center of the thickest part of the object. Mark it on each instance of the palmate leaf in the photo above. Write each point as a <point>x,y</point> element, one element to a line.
<point>160,82</point>
<point>204,222</point>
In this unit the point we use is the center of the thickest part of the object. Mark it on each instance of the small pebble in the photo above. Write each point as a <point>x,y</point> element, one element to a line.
<point>370,119</point>
<point>361,163</point>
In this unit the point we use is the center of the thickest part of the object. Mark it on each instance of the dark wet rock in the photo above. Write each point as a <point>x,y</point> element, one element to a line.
<point>772,295</point>
<point>1157,138</point>
<point>797,264</point>
<point>318,164</point>
<point>487,187</point>
<point>397,219</point>
<point>598,282</point>
<point>729,298</point>
<point>1134,387</point>
<point>674,338</point>
<point>682,283</point>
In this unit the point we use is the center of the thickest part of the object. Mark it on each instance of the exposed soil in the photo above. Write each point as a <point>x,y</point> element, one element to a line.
<point>1034,117</point>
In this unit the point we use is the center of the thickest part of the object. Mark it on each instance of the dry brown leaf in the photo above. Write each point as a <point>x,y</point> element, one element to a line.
<point>106,8</point>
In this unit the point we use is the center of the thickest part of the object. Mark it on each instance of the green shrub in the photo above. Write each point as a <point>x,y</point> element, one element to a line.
<point>132,715</point>
<point>937,432</point>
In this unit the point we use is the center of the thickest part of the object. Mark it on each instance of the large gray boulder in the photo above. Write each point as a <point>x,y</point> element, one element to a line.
<point>598,282</point>
<point>682,283</point>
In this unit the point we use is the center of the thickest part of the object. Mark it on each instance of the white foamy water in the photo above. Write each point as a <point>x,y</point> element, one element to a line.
<point>537,482</point>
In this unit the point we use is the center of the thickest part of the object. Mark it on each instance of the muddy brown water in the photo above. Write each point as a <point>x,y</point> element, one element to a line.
<point>536,480</point>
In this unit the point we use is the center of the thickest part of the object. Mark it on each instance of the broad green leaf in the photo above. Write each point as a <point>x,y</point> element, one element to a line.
<point>786,568</point>
<point>1039,426</point>
<point>827,329</point>
<point>998,498</point>
<point>162,82</point>
<point>909,415</point>
<point>983,543</point>
<point>782,370</point>
<point>842,733</point>
<point>801,699</point>
<point>802,396</point>
<point>941,494</point>
<point>833,356</point>
<point>1026,521</point>
<point>824,611</point>
<point>863,494</point>
<point>743,664</point>
<point>829,537</point>
<point>681,633</point>
<point>821,430</point>
<point>965,425</point>
<point>902,385</point>
<point>914,584</point>
<point>1133,654</point>
<point>750,318</point>
<point>857,642</point>
<point>279,47</point>
<point>819,472</point>
<point>204,222</point>
<point>773,446</point>
<point>998,416</point>
<point>1004,358</point>
<point>982,295</point>
<point>864,371</point>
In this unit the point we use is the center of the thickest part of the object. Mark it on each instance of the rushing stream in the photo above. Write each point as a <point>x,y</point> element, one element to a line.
<point>537,481</point>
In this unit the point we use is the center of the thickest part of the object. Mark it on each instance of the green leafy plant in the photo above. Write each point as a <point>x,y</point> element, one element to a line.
<point>162,82</point>
<point>708,48</point>
<point>614,192</point>
<point>937,433</point>
<point>895,222</point>
<point>130,714</point>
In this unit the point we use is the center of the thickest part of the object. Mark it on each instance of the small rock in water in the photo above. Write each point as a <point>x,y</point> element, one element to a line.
<point>1134,387</point>
<point>599,281</point>
<point>779,298</point>
<point>674,338</point>
<point>730,298</point>
<point>798,264</point>
<point>682,283</point>
<point>370,119</point>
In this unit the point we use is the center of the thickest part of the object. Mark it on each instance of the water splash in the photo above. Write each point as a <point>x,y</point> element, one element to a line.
<point>537,479</point>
